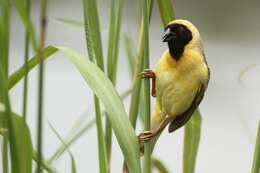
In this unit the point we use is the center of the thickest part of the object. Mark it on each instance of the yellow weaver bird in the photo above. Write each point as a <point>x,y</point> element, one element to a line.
<point>180,79</point>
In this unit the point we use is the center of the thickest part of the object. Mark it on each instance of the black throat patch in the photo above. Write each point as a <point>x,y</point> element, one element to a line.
<point>182,37</point>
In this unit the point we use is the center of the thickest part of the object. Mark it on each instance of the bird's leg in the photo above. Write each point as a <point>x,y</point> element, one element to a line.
<point>148,135</point>
<point>147,73</point>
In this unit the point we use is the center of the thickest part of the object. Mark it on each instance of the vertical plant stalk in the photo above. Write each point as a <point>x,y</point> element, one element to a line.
<point>256,161</point>
<point>43,24</point>
<point>136,84</point>
<point>26,56</point>
<point>110,57</point>
<point>94,49</point>
<point>4,62</point>
<point>166,11</point>
<point>191,142</point>
<point>147,122</point>
<point>113,44</point>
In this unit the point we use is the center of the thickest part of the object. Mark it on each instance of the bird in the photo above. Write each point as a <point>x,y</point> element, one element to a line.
<point>179,81</point>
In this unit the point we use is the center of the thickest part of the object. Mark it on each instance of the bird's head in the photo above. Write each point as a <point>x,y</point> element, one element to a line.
<point>180,34</point>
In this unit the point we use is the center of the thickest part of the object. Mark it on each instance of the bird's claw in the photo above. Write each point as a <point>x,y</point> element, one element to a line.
<point>145,136</point>
<point>147,73</point>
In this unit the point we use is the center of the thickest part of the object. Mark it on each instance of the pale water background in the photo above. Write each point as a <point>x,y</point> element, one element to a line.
<point>230,110</point>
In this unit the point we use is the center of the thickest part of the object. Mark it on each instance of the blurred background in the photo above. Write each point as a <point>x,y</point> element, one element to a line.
<point>230,109</point>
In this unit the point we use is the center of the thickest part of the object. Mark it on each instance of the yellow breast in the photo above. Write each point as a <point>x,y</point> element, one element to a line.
<point>178,81</point>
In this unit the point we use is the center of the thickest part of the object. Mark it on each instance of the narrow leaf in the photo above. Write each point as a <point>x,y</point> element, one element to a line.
<point>20,73</point>
<point>24,14</point>
<point>256,161</point>
<point>191,142</point>
<point>157,164</point>
<point>166,11</point>
<point>73,164</point>
<point>82,130</point>
<point>105,91</point>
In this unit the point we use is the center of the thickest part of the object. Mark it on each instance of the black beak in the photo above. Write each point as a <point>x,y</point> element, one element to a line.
<point>168,36</point>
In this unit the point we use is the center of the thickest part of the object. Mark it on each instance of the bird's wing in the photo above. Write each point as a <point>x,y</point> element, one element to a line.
<point>183,118</point>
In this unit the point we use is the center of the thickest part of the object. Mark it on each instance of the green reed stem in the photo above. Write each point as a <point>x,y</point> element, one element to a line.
<point>147,122</point>
<point>256,161</point>
<point>4,62</point>
<point>43,23</point>
<point>26,56</point>
<point>94,48</point>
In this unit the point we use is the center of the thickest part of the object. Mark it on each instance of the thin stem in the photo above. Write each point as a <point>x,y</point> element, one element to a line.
<point>256,161</point>
<point>4,62</point>
<point>26,56</point>
<point>110,66</point>
<point>94,47</point>
<point>40,91</point>
<point>147,126</point>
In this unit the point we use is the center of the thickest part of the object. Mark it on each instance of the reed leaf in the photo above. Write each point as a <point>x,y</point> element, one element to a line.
<point>113,50</point>
<point>136,84</point>
<point>4,64</point>
<point>15,77</point>
<point>16,131</point>
<point>130,52</point>
<point>94,47</point>
<point>73,163</point>
<point>75,136</point>
<point>159,166</point>
<point>24,14</point>
<point>104,89</point>
<point>256,160</point>
<point>191,142</point>
<point>166,11</point>
<point>26,56</point>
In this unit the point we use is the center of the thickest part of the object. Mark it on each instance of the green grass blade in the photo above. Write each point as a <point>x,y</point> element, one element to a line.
<point>4,63</point>
<point>117,38</point>
<point>18,133</point>
<point>71,22</point>
<point>23,144</point>
<point>43,26</point>
<point>91,15</point>
<point>103,166</point>
<point>26,56</point>
<point>24,14</point>
<point>136,84</point>
<point>44,164</point>
<point>111,39</point>
<point>110,67</point>
<point>4,34</point>
<point>146,87</point>
<point>191,142</point>
<point>161,168</point>
<point>256,161</point>
<point>94,46</point>
<point>166,11</point>
<point>73,163</point>
<point>130,52</point>
<point>75,136</point>
<point>105,91</point>
<point>114,36</point>
<point>15,77</point>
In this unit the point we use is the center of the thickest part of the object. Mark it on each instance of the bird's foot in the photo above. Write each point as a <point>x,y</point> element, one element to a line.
<point>146,136</point>
<point>147,73</point>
